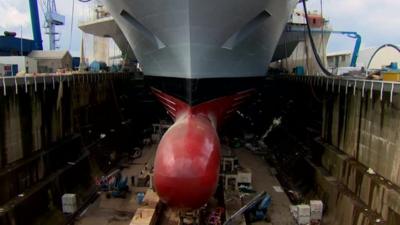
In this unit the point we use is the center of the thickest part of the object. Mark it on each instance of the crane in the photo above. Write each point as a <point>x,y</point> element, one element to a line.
<point>52,19</point>
<point>350,34</point>
<point>37,35</point>
<point>357,45</point>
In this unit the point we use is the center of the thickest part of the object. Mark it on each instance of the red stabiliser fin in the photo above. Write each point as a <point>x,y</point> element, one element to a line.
<point>220,109</point>
<point>216,110</point>
<point>174,106</point>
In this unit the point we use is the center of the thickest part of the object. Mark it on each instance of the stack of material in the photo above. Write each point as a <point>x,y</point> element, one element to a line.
<point>228,164</point>
<point>303,217</point>
<point>308,214</point>
<point>244,176</point>
<point>151,198</point>
<point>233,175</point>
<point>155,138</point>
<point>144,216</point>
<point>69,203</point>
<point>148,214</point>
<point>316,208</point>
<point>144,179</point>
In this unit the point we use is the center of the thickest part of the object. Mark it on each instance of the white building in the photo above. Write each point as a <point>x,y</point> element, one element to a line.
<point>1,69</point>
<point>51,61</point>
<point>339,59</point>
<point>25,64</point>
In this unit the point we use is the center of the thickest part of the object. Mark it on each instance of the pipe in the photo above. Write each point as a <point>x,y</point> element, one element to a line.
<point>37,35</point>
<point>376,52</point>
<point>314,48</point>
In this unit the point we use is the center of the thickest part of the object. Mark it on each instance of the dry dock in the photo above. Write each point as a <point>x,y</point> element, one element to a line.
<point>264,180</point>
<point>338,142</point>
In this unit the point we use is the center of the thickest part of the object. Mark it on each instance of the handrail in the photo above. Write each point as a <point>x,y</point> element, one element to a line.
<point>69,78</point>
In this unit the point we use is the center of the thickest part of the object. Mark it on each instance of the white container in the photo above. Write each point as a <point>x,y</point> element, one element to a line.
<point>316,205</point>
<point>69,199</point>
<point>303,220</point>
<point>316,208</point>
<point>316,215</point>
<point>69,203</point>
<point>294,211</point>
<point>69,209</point>
<point>303,211</point>
<point>244,176</point>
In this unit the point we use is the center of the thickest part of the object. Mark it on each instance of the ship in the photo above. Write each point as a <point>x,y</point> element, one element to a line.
<point>202,60</point>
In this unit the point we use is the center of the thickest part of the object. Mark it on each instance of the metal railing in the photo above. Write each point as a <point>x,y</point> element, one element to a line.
<point>348,85</point>
<point>49,81</point>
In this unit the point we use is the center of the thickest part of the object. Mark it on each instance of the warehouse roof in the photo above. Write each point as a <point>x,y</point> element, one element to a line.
<point>48,54</point>
<point>339,53</point>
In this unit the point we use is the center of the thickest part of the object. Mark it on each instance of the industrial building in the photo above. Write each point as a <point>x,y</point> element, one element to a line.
<point>2,69</point>
<point>383,58</point>
<point>339,59</point>
<point>37,62</point>
<point>51,61</point>
<point>24,64</point>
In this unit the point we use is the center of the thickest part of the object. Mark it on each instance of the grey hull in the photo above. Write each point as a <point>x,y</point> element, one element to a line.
<point>196,39</point>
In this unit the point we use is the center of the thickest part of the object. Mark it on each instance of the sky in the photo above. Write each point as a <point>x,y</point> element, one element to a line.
<point>15,14</point>
<point>376,20</point>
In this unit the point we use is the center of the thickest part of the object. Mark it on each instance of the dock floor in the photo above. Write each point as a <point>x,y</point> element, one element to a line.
<point>264,180</point>
<point>118,211</point>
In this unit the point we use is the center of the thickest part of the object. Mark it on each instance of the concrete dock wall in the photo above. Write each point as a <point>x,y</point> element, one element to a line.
<point>35,117</point>
<point>42,122</point>
<point>357,154</point>
<point>367,129</point>
<point>375,194</point>
<point>362,132</point>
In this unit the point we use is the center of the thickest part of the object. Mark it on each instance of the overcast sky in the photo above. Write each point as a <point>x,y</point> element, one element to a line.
<point>376,20</point>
